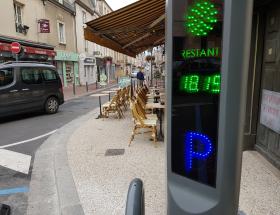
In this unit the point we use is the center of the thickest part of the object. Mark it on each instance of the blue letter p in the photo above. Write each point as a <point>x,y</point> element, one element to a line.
<point>191,154</point>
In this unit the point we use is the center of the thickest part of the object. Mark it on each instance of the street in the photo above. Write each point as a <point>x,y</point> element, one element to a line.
<point>27,132</point>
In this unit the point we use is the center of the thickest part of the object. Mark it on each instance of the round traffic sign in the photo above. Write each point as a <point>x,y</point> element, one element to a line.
<point>15,47</point>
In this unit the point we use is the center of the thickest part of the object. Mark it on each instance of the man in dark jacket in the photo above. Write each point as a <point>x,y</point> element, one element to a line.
<point>140,78</point>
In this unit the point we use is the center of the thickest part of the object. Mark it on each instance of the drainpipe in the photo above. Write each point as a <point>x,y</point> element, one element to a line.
<point>76,42</point>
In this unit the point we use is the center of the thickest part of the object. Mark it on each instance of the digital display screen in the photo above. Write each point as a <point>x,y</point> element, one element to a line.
<point>196,86</point>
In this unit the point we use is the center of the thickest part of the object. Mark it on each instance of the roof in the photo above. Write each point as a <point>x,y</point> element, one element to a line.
<point>130,30</point>
<point>11,64</point>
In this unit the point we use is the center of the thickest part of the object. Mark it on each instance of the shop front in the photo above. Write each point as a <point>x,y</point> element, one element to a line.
<point>29,51</point>
<point>262,125</point>
<point>88,70</point>
<point>67,66</point>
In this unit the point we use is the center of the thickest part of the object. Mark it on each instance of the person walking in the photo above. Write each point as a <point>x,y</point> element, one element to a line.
<point>140,78</point>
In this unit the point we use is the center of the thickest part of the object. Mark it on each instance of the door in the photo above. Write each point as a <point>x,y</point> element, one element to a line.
<point>32,88</point>
<point>268,138</point>
<point>10,99</point>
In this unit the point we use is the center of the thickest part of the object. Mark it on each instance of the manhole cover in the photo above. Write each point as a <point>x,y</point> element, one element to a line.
<point>114,152</point>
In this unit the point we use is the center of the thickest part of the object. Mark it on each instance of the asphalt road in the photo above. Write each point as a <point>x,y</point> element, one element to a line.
<point>22,128</point>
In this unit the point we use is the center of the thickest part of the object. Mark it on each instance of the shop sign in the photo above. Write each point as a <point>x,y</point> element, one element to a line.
<point>89,60</point>
<point>270,110</point>
<point>66,56</point>
<point>44,26</point>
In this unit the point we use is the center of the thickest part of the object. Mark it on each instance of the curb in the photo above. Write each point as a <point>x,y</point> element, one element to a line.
<point>89,93</point>
<point>52,187</point>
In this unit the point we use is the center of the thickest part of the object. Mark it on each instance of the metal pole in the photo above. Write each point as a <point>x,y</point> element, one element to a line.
<point>135,203</point>
<point>16,57</point>
<point>87,86</point>
<point>152,67</point>
<point>5,209</point>
<point>74,88</point>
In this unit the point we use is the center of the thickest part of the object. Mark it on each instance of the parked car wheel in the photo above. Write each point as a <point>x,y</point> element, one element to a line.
<point>51,105</point>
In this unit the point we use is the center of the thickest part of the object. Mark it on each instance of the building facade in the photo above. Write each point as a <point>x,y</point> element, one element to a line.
<point>21,23</point>
<point>263,94</point>
<point>52,30</point>
<point>61,16</point>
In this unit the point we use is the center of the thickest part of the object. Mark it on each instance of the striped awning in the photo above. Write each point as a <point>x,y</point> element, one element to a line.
<point>130,30</point>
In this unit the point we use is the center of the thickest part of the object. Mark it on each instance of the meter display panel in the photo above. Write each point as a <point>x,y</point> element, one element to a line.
<point>196,86</point>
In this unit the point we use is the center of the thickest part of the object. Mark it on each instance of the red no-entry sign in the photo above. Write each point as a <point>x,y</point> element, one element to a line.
<point>15,47</point>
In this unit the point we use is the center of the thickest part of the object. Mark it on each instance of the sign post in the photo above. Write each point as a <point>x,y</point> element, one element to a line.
<point>15,48</point>
<point>207,62</point>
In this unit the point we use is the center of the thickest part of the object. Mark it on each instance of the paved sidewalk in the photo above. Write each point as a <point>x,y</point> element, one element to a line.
<point>72,176</point>
<point>82,90</point>
<point>102,182</point>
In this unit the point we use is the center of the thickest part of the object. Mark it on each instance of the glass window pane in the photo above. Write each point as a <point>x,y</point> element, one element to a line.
<point>6,77</point>
<point>49,75</point>
<point>31,76</point>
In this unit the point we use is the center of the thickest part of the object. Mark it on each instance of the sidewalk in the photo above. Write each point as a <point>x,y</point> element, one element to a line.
<point>100,183</point>
<point>82,90</point>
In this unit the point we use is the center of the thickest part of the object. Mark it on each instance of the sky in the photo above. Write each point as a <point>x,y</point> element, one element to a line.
<point>117,4</point>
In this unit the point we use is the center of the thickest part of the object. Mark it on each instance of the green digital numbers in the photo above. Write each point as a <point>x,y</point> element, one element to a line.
<point>216,84</point>
<point>199,83</point>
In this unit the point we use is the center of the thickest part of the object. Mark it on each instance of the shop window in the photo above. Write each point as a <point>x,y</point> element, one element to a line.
<point>31,76</point>
<point>84,17</point>
<point>86,45</point>
<point>49,75</point>
<point>94,3</point>
<point>61,32</point>
<point>6,77</point>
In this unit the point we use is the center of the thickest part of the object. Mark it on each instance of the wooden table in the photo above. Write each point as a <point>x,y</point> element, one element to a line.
<point>115,89</point>
<point>99,95</point>
<point>160,107</point>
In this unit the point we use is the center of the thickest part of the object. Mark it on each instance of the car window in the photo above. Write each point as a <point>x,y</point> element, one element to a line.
<point>6,77</point>
<point>49,75</point>
<point>31,75</point>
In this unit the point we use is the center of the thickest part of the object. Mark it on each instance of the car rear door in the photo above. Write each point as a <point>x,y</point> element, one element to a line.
<point>52,83</point>
<point>10,99</point>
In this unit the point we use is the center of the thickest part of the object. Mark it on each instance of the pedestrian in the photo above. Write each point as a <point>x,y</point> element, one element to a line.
<point>140,78</point>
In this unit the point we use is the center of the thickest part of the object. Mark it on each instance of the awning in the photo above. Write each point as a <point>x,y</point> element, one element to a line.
<point>130,30</point>
<point>6,47</point>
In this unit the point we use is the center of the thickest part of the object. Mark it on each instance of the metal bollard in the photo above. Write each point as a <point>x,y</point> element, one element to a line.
<point>87,86</point>
<point>5,209</point>
<point>74,89</point>
<point>135,203</point>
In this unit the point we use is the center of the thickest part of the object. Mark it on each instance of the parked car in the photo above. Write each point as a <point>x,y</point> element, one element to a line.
<point>29,86</point>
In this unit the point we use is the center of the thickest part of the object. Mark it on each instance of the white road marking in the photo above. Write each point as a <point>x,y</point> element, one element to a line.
<point>16,161</point>
<point>30,140</point>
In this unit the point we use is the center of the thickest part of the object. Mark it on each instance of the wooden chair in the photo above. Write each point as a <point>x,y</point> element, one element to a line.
<point>140,123</point>
<point>112,107</point>
<point>142,113</point>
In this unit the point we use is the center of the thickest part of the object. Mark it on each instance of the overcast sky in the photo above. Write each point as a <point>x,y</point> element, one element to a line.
<point>117,4</point>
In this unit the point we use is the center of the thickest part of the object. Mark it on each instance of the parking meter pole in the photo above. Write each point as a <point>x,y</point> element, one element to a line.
<point>206,104</point>
<point>5,209</point>
<point>135,204</point>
